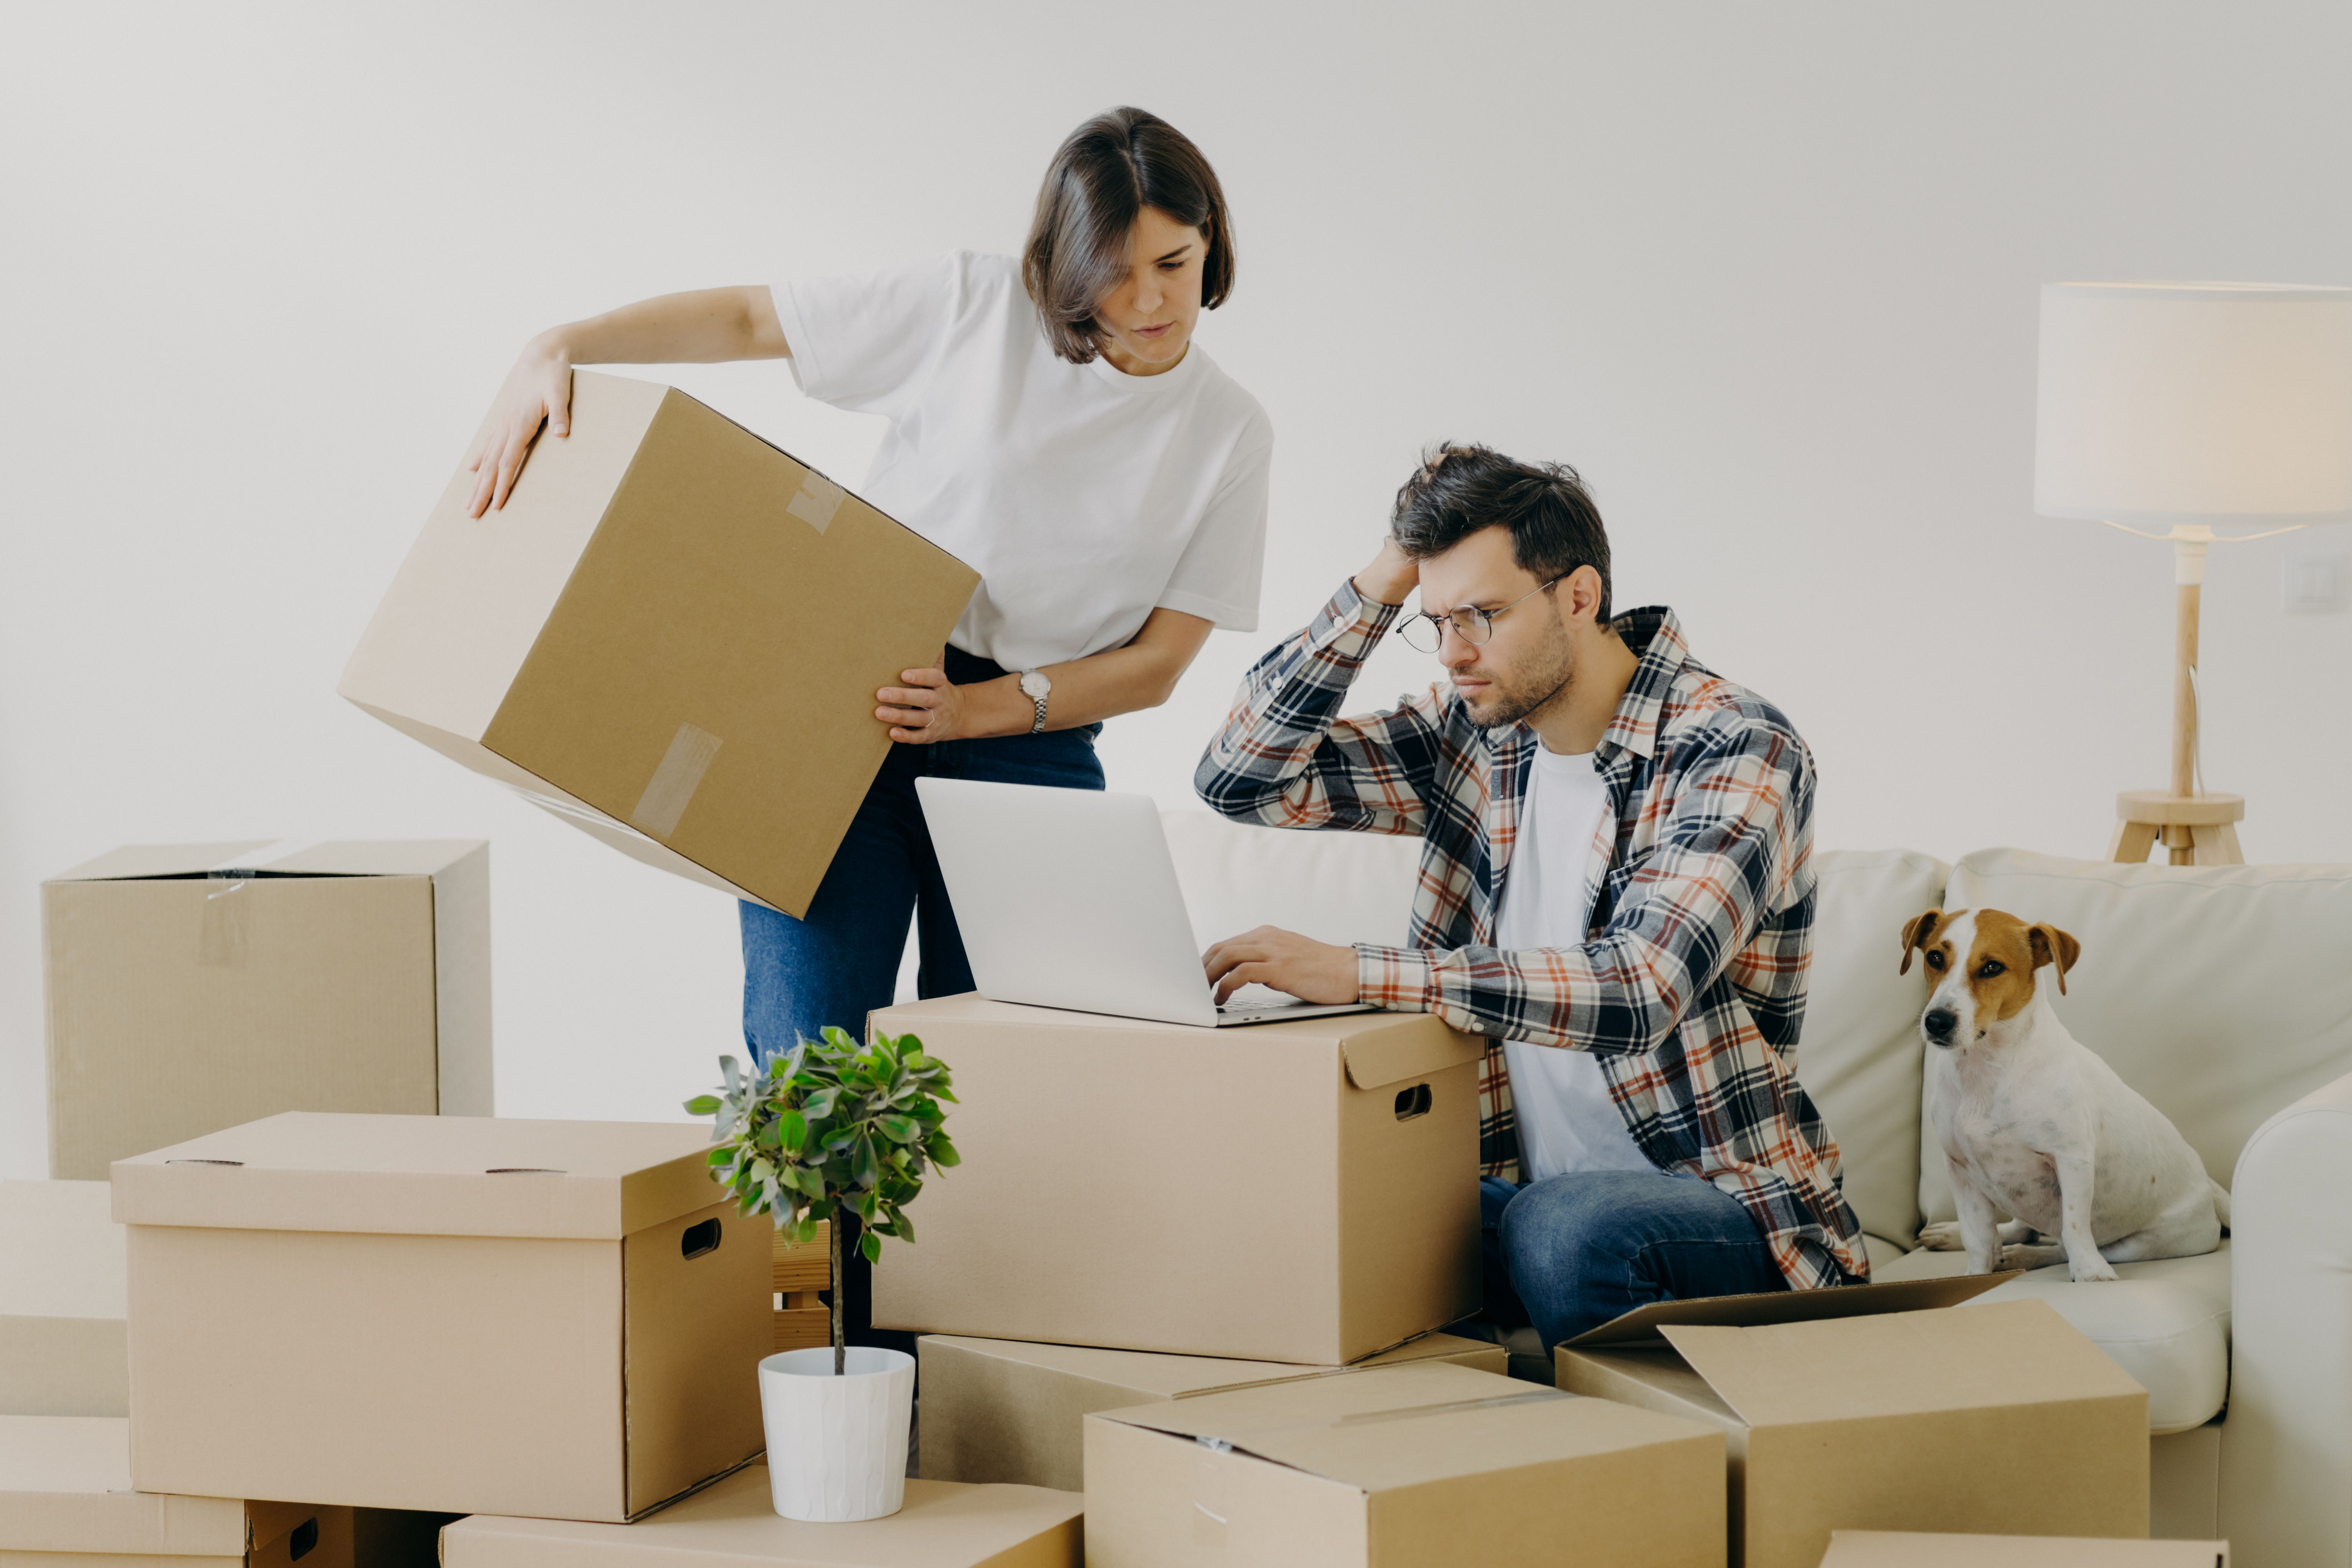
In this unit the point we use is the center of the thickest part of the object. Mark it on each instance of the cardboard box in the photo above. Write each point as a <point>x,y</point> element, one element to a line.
<point>1303,1191</point>
<point>734,1523</point>
<point>997,1410</point>
<point>62,1301</point>
<point>1875,1407</point>
<point>445,1313</point>
<point>1897,1549</point>
<point>671,638</point>
<point>66,1503</point>
<point>187,993</point>
<point>1431,1465</point>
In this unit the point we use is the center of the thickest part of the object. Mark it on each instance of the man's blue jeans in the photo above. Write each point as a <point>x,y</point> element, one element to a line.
<point>1577,1250</point>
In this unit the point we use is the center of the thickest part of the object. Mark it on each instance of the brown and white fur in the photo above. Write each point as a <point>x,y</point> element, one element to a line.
<point>2034,1125</point>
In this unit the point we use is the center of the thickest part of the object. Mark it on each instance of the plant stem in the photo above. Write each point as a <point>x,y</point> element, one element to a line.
<point>840,1344</point>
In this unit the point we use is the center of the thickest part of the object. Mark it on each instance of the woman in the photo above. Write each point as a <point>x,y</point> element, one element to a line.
<point>1052,425</point>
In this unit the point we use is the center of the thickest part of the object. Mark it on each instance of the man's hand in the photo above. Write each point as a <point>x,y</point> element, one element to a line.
<point>1390,577</point>
<point>1309,970</point>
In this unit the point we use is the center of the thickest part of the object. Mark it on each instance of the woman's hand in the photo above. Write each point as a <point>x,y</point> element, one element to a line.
<point>536,391</point>
<point>927,710</point>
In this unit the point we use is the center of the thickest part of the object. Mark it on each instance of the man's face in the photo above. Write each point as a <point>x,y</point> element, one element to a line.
<point>1528,659</point>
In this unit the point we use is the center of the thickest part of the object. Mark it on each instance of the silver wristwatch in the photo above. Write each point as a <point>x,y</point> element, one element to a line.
<point>1036,688</point>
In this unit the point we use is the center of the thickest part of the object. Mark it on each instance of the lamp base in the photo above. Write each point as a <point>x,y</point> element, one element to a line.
<point>2196,829</point>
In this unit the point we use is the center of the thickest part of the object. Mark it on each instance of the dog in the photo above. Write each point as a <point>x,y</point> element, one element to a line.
<point>2034,1125</point>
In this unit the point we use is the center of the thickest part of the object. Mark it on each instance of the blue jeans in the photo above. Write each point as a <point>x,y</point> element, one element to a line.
<point>1577,1250</point>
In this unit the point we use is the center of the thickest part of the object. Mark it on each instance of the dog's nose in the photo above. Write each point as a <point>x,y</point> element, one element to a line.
<point>1940,1021</point>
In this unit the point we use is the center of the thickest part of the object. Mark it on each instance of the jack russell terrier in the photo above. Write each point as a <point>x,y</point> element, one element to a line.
<point>2035,1125</point>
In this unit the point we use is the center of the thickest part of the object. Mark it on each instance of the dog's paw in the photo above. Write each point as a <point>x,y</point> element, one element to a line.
<point>1944,1235</point>
<point>2025,1255</point>
<point>2092,1276</point>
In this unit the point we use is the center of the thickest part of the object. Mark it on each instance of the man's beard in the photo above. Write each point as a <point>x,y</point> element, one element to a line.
<point>1522,695</point>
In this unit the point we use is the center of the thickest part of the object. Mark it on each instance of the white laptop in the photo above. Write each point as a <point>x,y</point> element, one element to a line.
<point>1068,898</point>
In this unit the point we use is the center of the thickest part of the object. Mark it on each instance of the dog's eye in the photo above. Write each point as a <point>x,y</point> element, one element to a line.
<point>1992,966</point>
<point>1934,961</point>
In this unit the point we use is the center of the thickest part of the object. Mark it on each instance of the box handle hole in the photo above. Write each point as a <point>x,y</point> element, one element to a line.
<point>240,1163</point>
<point>523,1171</point>
<point>305,1536</point>
<point>699,1240</point>
<point>1411,1102</point>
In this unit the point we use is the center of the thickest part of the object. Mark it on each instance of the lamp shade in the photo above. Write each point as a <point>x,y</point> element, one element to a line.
<point>2168,402</point>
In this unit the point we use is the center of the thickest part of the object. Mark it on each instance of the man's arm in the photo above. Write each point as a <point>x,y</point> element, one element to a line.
<point>1724,862</point>
<point>1286,759</point>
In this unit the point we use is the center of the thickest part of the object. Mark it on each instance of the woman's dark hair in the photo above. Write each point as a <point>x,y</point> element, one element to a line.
<point>1111,168</point>
<point>1459,489</point>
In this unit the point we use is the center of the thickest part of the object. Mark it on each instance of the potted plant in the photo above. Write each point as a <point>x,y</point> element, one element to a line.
<point>833,1128</point>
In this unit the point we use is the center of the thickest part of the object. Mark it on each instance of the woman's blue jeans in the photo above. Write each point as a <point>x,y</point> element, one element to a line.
<point>1577,1250</point>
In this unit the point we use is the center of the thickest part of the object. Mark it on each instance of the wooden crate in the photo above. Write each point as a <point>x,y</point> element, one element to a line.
<point>803,1322</point>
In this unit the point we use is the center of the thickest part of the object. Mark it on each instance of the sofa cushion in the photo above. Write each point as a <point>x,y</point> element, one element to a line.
<point>1858,1054</point>
<point>2219,993</point>
<point>2166,1323</point>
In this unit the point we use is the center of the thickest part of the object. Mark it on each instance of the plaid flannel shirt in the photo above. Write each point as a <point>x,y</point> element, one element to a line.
<point>1691,987</point>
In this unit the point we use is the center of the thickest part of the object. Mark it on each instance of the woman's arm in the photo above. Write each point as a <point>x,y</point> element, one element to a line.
<point>703,327</point>
<point>1141,674</point>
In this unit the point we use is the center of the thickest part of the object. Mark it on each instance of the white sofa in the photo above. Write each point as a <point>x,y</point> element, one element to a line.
<point>2222,993</point>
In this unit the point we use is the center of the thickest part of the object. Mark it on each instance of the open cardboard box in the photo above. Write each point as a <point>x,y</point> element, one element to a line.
<point>671,638</point>
<point>440,1313</point>
<point>1429,1463</point>
<point>1302,1192</point>
<point>1000,1410</point>
<point>1877,1407</point>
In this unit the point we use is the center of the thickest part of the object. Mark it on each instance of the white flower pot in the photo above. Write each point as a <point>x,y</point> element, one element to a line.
<point>838,1446</point>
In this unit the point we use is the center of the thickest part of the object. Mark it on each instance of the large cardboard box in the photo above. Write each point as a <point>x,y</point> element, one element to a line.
<point>66,1503</point>
<point>197,987</point>
<point>63,1350</point>
<point>1878,1407</point>
<point>1899,1549</point>
<point>1431,1464</point>
<point>445,1313</point>
<point>997,1410</point>
<point>1302,1192</point>
<point>671,638</point>
<point>734,1525</point>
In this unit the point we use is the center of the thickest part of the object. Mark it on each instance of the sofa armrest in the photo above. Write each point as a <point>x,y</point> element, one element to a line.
<point>2286,1448</point>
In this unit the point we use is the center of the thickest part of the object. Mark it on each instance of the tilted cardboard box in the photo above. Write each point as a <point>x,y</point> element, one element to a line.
<point>1431,1464</point>
<point>670,636</point>
<point>62,1301</point>
<point>1302,1192</point>
<point>446,1313</point>
<point>734,1524</point>
<point>66,1503</point>
<point>1899,1549</point>
<point>197,987</point>
<point>998,1410</point>
<point>1881,1407</point>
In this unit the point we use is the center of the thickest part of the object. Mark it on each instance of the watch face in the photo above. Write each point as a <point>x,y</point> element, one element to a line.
<point>1035,685</point>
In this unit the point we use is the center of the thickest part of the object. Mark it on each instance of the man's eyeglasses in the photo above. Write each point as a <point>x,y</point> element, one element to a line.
<point>1426,632</point>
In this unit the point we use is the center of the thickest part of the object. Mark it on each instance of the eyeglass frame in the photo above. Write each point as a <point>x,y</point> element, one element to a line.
<point>1486,618</point>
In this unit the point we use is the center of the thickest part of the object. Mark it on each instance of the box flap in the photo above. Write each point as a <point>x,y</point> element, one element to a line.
<point>1405,1425</point>
<point>65,1486</point>
<point>1900,1363</point>
<point>1185,1376</point>
<point>1641,1325</point>
<point>424,1175</point>
<point>1902,1549</point>
<point>1382,1049</point>
<point>321,858</point>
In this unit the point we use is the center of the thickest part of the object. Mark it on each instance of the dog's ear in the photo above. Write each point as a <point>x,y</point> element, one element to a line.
<point>1915,935</point>
<point>2051,945</point>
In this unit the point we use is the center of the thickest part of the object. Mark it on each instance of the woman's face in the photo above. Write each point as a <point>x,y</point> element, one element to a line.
<point>1146,320</point>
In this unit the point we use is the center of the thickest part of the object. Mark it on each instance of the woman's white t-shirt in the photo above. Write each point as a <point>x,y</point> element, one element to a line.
<point>1085,497</point>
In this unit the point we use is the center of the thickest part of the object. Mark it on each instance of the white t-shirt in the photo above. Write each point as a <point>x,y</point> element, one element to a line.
<point>1085,497</point>
<point>1567,1120</point>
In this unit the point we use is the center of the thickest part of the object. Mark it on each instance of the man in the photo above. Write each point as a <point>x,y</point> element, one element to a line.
<point>1615,888</point>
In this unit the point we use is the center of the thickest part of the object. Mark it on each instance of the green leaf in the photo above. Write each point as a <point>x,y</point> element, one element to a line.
<point>902,1227</point>
<point>898,1128</point>
<point>792,1130</point>
<point>703,1105</point>
<point>943,1153</point>
<point>870,1244</point>
<point>820,1105</point>
<point>863,1166</point>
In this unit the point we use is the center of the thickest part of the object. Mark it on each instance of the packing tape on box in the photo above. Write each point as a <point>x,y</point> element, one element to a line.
<point>671,789</point>
<point>818,500</point>
<point>1210,1513</point>
<point>221,933</point>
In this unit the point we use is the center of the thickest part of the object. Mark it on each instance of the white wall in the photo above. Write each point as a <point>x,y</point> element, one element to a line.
<point>1765,274</point>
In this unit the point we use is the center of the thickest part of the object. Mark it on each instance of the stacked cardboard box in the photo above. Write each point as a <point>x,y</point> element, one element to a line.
<point>63,1350</point>
<point>196,986</point>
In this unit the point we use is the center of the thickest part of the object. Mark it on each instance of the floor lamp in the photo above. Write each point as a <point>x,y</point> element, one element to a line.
<point>2191,408</point>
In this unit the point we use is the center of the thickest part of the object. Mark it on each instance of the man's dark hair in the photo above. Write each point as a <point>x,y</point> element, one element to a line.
<point>1460,489</point>
<point>1111,168</point>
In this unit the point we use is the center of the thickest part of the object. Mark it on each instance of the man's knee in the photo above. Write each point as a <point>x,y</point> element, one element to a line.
<point>1572,1220</point>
